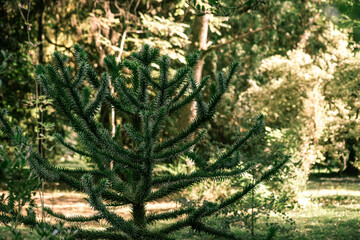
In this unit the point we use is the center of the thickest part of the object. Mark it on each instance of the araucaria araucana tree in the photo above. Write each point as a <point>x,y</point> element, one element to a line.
<point>124,176</point>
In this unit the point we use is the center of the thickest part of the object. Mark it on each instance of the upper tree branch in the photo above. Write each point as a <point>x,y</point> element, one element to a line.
<point>242,36</point>
<point>56,44</point>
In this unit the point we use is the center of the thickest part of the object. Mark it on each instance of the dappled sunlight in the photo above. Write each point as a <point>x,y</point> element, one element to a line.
<point>72,203</point>
<point>329,209</point>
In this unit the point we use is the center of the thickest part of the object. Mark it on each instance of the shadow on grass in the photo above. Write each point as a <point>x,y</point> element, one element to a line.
<point>320,228</point>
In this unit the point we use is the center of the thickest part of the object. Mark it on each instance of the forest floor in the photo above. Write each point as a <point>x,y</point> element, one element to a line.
<point>328,209</point>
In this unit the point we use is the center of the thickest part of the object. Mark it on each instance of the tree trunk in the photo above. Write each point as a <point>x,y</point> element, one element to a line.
<point>198,42</point>
<point>350,168</point>
<point>41,130</point>
<point>139,215</point>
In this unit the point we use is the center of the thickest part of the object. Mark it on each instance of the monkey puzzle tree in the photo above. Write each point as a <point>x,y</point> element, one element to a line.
<point>124,175</point>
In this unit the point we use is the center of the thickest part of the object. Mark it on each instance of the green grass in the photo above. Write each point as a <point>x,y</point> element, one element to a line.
<point>329,210</point>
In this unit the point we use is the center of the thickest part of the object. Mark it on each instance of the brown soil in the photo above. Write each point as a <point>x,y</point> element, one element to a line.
<point>72,203</point>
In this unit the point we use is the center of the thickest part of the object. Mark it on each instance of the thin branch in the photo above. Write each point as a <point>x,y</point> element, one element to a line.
<point>135,31</point>
<point>186,12</point>
<point>235,39</point>
<point>122,45</point>
<point>136,6</point>
<point>56,44</point>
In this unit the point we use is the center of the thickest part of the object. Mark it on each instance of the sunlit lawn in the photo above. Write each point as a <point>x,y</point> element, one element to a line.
<point>330,209</point>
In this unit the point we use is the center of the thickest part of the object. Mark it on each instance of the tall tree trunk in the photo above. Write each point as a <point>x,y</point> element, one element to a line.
<point>350,168</point>
<point>41,60</point>
<point>198,42</point>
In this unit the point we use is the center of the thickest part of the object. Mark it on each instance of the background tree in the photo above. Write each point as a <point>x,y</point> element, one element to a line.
<point>341,93</point>
<point>346,14</point>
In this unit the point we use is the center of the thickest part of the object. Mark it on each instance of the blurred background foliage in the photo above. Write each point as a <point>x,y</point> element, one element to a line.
<point>299,67</point>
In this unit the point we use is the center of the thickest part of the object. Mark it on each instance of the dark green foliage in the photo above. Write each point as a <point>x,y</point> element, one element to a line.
<point>131,181</point>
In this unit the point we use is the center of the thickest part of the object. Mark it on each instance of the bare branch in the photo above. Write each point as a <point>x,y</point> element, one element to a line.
<point>56,44</point>
<point>235,39</point>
